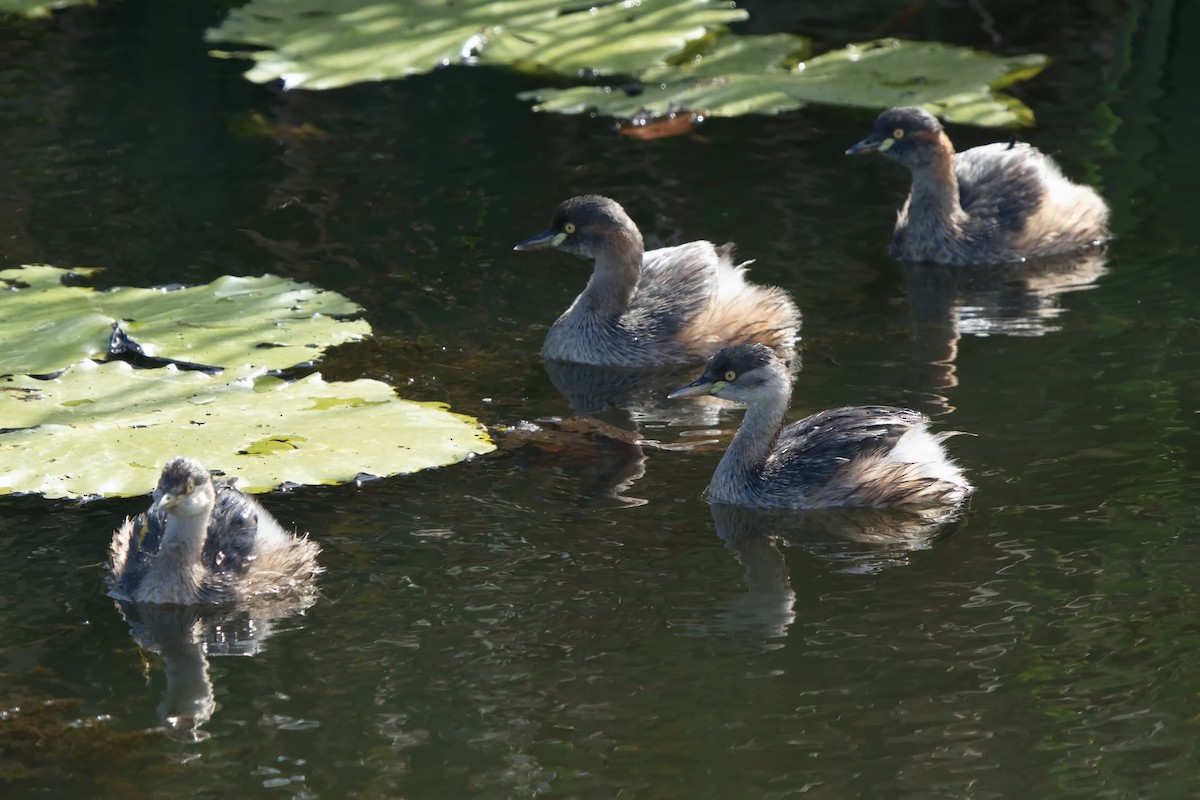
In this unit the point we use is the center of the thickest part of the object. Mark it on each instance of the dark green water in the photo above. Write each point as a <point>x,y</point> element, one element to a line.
<point>570,620</point>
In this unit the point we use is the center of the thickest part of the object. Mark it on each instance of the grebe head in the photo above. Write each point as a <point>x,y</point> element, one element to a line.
<point>910,136</point>
<point>185,488</point>
<point>744,373</point>
<point>585,226</point>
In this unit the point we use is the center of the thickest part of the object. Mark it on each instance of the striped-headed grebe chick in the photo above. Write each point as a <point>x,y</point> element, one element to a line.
<point>671,305</point>
<point>203,542</point>
<point>990,204</point>
<point>874,456</point>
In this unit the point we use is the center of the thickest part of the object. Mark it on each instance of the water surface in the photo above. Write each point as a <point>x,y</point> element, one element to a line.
<point>569,619</point>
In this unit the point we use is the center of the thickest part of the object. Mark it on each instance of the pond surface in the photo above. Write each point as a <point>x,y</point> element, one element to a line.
<point>569,618</point>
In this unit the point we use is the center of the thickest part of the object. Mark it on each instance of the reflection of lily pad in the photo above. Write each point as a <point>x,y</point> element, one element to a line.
<point>267,322</point>
<point>106,429</point>
<point>748,74</point>
<point>314,46</point>
<point>35,8</point>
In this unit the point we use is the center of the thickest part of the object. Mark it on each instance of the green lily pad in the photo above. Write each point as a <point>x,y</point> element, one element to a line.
<point>751,74</point>
<point>312,46</point>
<point>106,429</point>
<point>618,38</point>
<point>266,322</point>
<point>739,75</point>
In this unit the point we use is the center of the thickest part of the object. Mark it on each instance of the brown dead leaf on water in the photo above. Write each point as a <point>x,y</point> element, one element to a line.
<point>673,124</point>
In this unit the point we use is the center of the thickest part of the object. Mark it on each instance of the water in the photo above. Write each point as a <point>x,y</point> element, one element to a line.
<point>569,619</point>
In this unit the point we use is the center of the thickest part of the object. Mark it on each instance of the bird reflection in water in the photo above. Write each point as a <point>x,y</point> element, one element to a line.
<point>186,636</point>
<point>618,411</point>
<point>852,540</point>
<point>948,302</point>
<point>631,395</point>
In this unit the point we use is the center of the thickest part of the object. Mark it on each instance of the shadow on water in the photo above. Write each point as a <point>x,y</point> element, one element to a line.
<point>620,410</point>
<point>640,392</point>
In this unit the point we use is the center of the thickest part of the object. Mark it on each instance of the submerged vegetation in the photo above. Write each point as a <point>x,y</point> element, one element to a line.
<point>40,734</point>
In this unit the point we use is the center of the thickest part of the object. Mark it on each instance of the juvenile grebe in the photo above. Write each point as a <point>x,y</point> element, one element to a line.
<point>202,541</point>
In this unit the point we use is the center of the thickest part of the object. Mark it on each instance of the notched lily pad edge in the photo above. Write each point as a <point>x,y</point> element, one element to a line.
<point>772,73</point>
<point>294,323</point>
<point>456,437</point>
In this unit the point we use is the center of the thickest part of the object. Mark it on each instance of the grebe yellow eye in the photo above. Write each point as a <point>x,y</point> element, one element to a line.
<point>730,375</point>
<point>898,133</point>
<point>569,227</point>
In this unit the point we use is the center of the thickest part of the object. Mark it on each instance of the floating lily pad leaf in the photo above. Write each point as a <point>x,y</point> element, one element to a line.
<point>956,82</point>
<point>619,38</point>
<point>748,74</point>
<point>106,429</point>
<point>267,322</point>
<point>313,46</point>
<point>739,75</point>
<point>36,8</point>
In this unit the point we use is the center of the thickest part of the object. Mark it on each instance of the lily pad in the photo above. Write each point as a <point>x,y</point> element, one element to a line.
<point>269,322</point>
<point>106,429</point>
<point>314,46</point>
<point>752,74</point>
